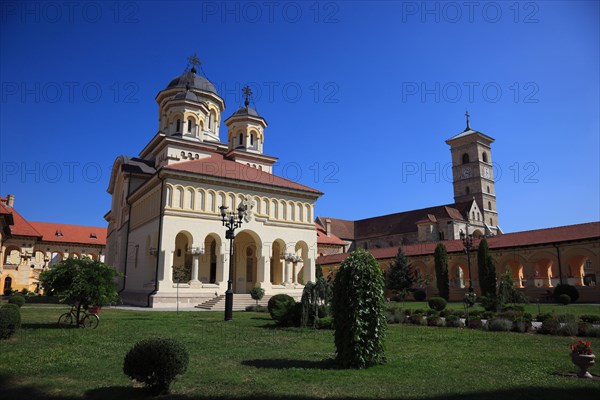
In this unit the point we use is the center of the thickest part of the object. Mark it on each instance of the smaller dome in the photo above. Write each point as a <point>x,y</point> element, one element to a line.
<point>186,96</point>
<point>246,111</point>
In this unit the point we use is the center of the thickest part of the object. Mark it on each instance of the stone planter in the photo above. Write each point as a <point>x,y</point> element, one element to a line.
<point>584,362</point>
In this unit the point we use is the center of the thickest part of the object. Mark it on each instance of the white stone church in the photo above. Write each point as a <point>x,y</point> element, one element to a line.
<point>165,206</point>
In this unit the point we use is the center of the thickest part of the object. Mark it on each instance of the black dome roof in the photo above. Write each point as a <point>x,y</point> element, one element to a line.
<point>193,81</point>
<point>246,111</point>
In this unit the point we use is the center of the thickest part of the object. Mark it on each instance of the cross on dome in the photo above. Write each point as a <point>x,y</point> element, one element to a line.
<point>194,61</point>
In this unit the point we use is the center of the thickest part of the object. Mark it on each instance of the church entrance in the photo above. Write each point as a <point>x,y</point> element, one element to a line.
<point>247,254</point>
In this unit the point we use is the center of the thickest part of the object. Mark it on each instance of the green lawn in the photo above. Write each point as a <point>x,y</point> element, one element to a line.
<point>248,358</point>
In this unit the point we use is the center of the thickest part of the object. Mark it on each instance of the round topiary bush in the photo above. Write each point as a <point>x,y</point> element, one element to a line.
<point>358,307</point>
<point>10,320</point>
<point>419,295</point>
<point>17,299</point>
<point>564,299</point>
<point>280,307</point>
<point>437,303</point>
<point>156,362</point>
<point>569,290</point>
<point>257,293</point>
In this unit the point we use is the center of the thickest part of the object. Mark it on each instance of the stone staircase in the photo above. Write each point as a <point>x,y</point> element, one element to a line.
<point>240,302</point>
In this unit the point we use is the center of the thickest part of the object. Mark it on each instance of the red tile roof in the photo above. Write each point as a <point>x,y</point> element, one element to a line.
<point>64,233</point>
<point>21,227</point>
<point>218,166</point>
<point>332,239</point>
<point>340,227</point>
<point>559,234</point>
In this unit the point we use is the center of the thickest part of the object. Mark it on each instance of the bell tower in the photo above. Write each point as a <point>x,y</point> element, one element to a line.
<point>473,175</point>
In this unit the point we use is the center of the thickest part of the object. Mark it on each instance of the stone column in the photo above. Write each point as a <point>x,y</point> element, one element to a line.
<point>286,267</point>
<point>195,266</point>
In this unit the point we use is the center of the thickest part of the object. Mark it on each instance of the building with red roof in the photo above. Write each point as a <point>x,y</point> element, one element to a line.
<point>166,211</point>
<point>29,247</point>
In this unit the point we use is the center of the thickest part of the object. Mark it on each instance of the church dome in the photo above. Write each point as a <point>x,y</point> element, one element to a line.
<point>193,81</point>
<point>187,95</point>
<point>246,111</point>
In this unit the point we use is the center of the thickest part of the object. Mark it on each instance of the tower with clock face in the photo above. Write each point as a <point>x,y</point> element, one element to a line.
<point>473,174</point>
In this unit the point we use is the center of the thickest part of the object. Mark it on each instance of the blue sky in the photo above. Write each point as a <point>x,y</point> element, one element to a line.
<point>359,97</point>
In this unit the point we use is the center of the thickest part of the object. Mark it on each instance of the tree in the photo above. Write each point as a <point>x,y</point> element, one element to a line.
<point>81,283</point>
<point>487,270</point>
<point>257,294</point>
<point>400,276</point>
<point>441,271</point>
<point>358,311</point>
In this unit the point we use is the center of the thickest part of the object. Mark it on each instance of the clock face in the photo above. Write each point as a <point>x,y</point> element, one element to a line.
<point>486,172</point>
<point>465,173</point>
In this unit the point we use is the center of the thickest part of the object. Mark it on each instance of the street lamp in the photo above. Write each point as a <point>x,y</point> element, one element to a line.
<point>468,245</point>
<point>231,220</point>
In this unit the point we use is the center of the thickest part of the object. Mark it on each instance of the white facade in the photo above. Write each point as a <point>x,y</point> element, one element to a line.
<point>165,209</point>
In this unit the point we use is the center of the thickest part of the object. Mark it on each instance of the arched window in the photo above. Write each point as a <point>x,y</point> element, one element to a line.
<point>491,223</point>
<point>488,189</point>
<point>465,158</point>
<point>489,205</point>
<point>189,125</point>
<point>252,139</point>
<point>178,127</point>
<point>241,139</point>
<point>467,190</point>
<point>484,156</point>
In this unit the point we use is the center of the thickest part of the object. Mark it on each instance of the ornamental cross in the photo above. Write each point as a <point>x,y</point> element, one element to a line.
<point>467,115</point>
<point>247,92</point>
<point>194,60</point>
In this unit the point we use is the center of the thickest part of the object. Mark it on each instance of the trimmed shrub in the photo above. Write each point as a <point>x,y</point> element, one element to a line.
<point>564,299</point>
<point>490,303</point>
<point>325,323</point>
<point>280,307</point>
<point>549,327</point>
<point>475,314</point>
<point>590,318</point>
<point>434,321</point>
<point>544,317</point>
<point>417,319</point>
<point>446,313</point>
<point>514,307</point>
<point>419,295</point>
<point>156,362</point>
<point>499,325</point>
<point>437,303</point>
<point>358,306</point>
<point>569,290</point>
<point>432,313</point>
<point>257,294</point>
<point>17,299</point>
<point>10,320</point>
<point>419,311</point>
<point>488,315</point>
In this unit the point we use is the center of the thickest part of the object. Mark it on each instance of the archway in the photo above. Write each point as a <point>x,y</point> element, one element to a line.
<point>55,258</point>
<point>247,253</point>
<point>7,286</point>
<point>212,247</point>
<point>12,256</point>
<point>458,276</point>
<point>182,258</point>
<point>302,274</point>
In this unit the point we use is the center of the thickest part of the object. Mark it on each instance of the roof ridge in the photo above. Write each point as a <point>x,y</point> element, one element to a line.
<point>553,228</point>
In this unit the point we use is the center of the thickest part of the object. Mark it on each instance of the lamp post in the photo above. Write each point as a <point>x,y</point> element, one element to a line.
<point>231,220</point>
<point>467,240</point>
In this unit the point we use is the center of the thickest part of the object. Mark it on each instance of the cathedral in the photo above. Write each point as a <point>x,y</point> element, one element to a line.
<point>168,201</point>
